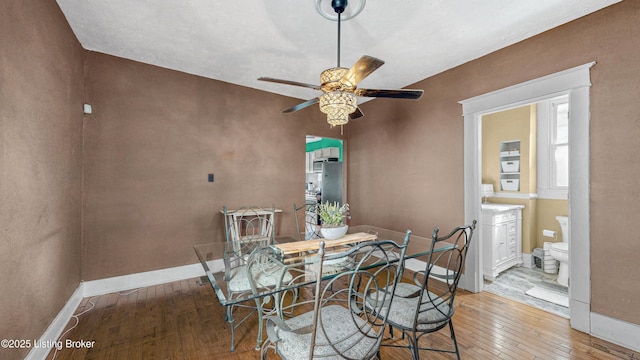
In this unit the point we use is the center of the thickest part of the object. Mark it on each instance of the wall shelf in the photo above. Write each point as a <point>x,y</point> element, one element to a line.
<point>510,165</point>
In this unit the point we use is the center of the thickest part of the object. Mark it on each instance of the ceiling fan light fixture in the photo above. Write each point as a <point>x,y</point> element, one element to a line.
<point>338,119</point>
<point>330,78</point>
<point>338,105</point>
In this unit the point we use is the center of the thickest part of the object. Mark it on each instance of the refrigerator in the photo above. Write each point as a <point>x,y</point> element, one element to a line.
<point>331,182</point>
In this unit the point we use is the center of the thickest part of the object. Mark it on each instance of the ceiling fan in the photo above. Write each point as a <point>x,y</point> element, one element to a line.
<point>339,85</point>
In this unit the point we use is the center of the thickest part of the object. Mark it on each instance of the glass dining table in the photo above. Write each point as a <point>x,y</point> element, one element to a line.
<point>302,259</point>
<point>210,256</point>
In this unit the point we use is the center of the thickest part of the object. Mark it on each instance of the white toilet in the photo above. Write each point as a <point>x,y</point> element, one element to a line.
<point>560,251</point>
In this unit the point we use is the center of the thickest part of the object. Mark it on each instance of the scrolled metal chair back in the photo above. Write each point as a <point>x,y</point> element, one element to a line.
<point>246,229</point>
<point>366,290</point>
<point>307,226</point>
<point>442,275</point>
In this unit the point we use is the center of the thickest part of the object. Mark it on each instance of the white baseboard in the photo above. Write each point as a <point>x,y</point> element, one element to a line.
<point>53,332</point>
<point>579,314</point>
<point>415,265</point>
<point>616,331</point>
<point>143,279</point>
<point>419,265</point>
<point>110,285</point>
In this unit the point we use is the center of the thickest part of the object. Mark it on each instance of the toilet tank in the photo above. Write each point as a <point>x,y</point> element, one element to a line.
<point>564,226</point>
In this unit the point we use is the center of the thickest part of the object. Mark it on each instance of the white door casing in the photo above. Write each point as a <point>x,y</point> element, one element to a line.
<point>575,82</point>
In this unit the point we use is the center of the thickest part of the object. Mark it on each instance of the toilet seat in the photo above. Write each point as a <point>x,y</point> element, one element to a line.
<point>562,247</point>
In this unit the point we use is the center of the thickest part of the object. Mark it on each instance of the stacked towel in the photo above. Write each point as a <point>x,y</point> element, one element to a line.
<point>550,264</point>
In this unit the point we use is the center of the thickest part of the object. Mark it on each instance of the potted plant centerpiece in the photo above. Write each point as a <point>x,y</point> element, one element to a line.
<point>332,219</point>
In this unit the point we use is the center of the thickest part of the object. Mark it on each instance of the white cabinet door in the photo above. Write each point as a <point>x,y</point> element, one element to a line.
<point>500,244</point>
<point>330,152</point>
<point>325,152</point>
<point>334,152</point>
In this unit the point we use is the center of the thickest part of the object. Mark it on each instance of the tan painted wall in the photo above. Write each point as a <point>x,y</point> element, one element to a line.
<point>154,136</point>
<point>41,83</point>
<point>546,214</point>
<point>538,214</point>
<point>406,168</point>
<point>508,125</point>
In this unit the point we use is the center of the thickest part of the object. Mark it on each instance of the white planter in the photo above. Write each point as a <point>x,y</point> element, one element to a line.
<point>333,233</point>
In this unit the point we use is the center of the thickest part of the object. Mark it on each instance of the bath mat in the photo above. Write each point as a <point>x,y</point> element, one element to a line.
<point>548,295</point>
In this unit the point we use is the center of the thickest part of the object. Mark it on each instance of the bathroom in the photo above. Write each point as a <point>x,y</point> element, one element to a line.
<point>532,141</point>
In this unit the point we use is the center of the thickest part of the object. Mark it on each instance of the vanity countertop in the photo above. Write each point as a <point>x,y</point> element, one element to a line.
<point>501,207</point>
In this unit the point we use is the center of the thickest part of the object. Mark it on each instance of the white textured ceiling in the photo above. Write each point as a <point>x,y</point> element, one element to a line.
<point>237,41</point>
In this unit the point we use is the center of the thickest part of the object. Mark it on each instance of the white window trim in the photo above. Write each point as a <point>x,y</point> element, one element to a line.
<point>546,118</point>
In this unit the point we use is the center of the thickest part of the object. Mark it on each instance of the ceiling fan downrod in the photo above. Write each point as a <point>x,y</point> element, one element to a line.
<point>339,6</point>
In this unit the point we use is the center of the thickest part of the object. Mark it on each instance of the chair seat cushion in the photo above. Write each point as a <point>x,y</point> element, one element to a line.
<point>239,281</point>
<point>340,330</point>
<point>406,290</point>
<point>403,308</point>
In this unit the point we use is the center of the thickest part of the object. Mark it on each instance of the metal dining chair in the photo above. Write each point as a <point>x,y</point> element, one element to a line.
<point>342,319</point>
<point>246,229</point>
<point>305,214</point>
<point>269,280</point>
<point>426,305</point>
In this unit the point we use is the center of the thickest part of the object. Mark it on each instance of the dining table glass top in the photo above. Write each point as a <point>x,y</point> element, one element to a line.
<point>301,260</point>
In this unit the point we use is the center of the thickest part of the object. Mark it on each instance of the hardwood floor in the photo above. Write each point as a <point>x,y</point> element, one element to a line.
<point>183,320</point>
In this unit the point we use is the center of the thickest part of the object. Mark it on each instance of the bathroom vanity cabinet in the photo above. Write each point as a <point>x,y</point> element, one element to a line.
<point>501,238</point>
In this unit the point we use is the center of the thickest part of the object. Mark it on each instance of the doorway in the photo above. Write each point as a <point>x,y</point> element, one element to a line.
<point>575,84</point>
<point>525,159</point>
<point>324,169</point>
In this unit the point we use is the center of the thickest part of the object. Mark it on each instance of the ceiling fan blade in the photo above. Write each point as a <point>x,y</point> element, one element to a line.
<point>360,70</point>
<point>302,105</point>
<point>395,94</point>
<point>288,82</point>
<point>356,114</point>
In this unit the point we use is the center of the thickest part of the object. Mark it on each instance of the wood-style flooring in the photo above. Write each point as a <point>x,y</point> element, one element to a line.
<point>183,320</point>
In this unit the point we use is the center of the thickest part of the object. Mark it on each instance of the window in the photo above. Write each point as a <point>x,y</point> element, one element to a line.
<point>560,145</point>
<point>553,148</point>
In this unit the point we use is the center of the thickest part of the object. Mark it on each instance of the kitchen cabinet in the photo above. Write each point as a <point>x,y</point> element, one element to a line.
<point>501,238</point>
<point>324,153</point>
<point>327,152</point>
